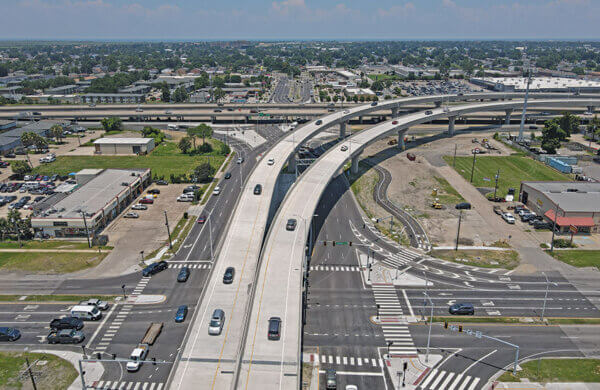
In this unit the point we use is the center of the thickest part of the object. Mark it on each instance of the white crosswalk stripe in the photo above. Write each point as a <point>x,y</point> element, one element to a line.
<point>126,385</point>
<point>190,265</point>
<point>351,361</point>
<point>334,268</point>
<point>443,380</point>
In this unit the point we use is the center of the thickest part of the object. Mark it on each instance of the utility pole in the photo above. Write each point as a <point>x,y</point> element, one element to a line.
<point>87,232</point>
<point>546,295</point>
<point>30,374</point>
<point>473,167</point>
<point>554,228</point>
<point>496,186</point>
<point>210,236</point>
<point>430,323</point>
<point>458,230</point>
<point>454,159</point>
<point>524,113</point>
<point>168,230</point>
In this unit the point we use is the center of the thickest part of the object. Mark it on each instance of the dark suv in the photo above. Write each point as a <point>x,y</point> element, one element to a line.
<point>257,189</point>
<point>462,308</point>
<point>184,274</point>
<point>66,323</point>
<point>274,328</point>
<point>228,276</point>
<point>155,268</point>
<point>291,225</point>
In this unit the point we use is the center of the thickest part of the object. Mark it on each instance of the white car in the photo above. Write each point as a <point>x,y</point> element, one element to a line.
<point>344,148</point>
<point>137,357</point>
<point>270,161</point>
<point>185,198</point>
<point>217,190</point>
<point>240,160</point>
<point>131,215</point>
<point>508,217</point>
<point>102,305</point>
<point>139,207</point>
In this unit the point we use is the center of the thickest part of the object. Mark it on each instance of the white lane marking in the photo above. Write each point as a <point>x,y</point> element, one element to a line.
<point>410,309</point>
<point>100,326</point>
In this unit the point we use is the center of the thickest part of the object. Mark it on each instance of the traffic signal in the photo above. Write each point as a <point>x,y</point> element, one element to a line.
<point>98,355</point>
<point>405,366</point>
<point>445,324</point>
<point>350,243</point>
<point>333,243</point>
<point>324,243</point>
<point>114,356</point>
<point>459,328</point>
<point>154,361</point>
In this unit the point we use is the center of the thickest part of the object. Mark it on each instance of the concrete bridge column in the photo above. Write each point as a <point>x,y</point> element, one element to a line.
<point>354,168</point>
<point>213,119</point>
<point>507,116</point>
<point>590,109</point>
<point>438,103</point>
<point>343,130</point>
<point>451,121</point>
<point>360,120</point>
<point>401,143</point>
<point>291,168</point>
<point>394,112</point>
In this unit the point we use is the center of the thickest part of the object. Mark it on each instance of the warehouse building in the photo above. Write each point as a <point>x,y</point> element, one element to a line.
<point>538,84</point>
<point>124,145</point>
<point>99,196</point>
<point>575,203</point>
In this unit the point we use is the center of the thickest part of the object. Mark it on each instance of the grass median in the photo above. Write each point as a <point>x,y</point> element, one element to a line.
<point>507,259</point>
<point>578,257</point>
<point>50,244</point>
<point>556,370</point>
<point>50,371</point>
<point>49,262</point>
<point>513,170</point>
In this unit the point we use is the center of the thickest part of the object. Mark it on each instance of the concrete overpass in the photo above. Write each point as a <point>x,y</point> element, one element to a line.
<point>213,362</point>
<point>276,365</point>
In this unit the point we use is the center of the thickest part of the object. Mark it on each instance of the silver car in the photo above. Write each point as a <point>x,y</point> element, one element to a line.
<point>216,322</point>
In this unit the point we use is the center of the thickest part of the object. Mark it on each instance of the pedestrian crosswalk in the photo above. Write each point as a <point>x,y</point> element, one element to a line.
<point>390,315</point>
<point>113,328</point>
<point>141,285</point>
<point>125,385</point>
<point>364,362</point>
<point>444,380</point>
<point>331,268</point>
<point>190,265</point>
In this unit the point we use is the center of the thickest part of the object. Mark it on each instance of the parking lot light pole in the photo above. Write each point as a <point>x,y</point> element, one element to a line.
<point>124,297</point>
<point>430,323</point>
<point>168,230</point>
<point>458,230</point>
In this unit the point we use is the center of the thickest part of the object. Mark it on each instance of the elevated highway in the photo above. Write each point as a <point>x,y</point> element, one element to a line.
<point>280,284</point>
<point>212,362</point>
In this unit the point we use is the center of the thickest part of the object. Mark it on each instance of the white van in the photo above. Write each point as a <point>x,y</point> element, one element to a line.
<point>172,127</point>
<point>86,312</point>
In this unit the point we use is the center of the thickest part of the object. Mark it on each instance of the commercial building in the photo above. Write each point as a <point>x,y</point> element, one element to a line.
<point>124,145</point>
<point>575,203</point>
<point>62,90</point>
<point>11,139</point>
<point>538,84</point>
<point>99,196</point>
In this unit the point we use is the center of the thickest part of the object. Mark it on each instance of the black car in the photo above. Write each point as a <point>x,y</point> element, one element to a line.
<point>66,323</point>
<point>228,175</point>
<point>542,225</point>
<point>462,308</point>
<point>463,206</point>
<point>184,274</point>
<point>191,189</point>
<point>290,225</point>
<point>257,189</point>
<point>319,122</point>
<point>527,216</point>
<point>154,191</point>
<point>154,268</point>
<point>9,334</point>
<point>161,182</point>
<point>274,328</point>
<point>374,104</point>
<point>228,276</point>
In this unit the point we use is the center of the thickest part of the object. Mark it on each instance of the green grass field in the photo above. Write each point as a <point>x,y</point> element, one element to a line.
<point>49,244</point>
<point>513,170</point>
<point>446,193</point>
<point>507,259</point>
<point>48,262</point>
<point>54,374</point>
<point>578,258</point>
<point>165,160</point>
<point>557,370</point>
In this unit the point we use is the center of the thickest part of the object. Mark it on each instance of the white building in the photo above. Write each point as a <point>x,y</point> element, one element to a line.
<point>124,145</point>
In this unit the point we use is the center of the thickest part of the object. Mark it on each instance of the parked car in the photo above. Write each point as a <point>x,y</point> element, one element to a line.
<point>9,334</point>
<point>146,201</point>
<point>66,336</point>
<point>190,189</point>
<point>162,182</point>
<point>463,206</point>
<point>508,217</point>
<point>462,308</point>
<point>102,305</point>
<point>185,198</point>
<point>154,191</point>
<point>131,215</point>
<point>155,268</point>
<point>183,275</point>
<point>497,210</point>
<point>257,189</point>
<point>274,332</point>
<point>228,275</point>
<point>66,323</point>
<point>181,313</point>
<point>217,321</point>
<point>139,206</point>
<point>319,122</point>
<point>290,225</point>
<point>373,104</point>
<point>543,225</point>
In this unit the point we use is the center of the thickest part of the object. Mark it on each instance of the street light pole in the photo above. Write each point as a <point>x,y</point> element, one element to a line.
<point>473,168</point>
<point>430,323</point>
<point>168,230</point>
<point>554,228</point>
<point>210,236</point>
<point>87,232</point>
<point>458,230</point>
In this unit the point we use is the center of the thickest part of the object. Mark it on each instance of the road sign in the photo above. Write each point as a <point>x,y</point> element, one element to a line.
<point>573,229</point>
<point>341,242</point>
<point>478,334</point>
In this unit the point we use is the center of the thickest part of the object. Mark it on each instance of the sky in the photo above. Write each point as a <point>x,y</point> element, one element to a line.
<point>299,19</point>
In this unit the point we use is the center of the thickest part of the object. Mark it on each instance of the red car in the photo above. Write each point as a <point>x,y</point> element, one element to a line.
<point>201,219</point>
<point>146,201</point>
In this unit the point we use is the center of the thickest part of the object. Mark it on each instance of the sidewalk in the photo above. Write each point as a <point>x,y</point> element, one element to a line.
<point>93,371</point>
<point>546,386</point>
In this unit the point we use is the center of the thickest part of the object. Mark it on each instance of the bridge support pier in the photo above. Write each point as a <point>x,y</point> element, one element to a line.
<point>213,119</point>
<point>451,120</point>
<point>291,168</point>
<point>360,120</point>
<point>394,112</point>
<point>507,116</point>
<point>354,168</point>
<point>401,144</point>
<point>438,103</point>
<point>343,130</point>
<point>590,109</point>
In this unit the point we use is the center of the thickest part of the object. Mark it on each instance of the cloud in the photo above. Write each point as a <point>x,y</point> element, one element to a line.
<point>449,3</point>
<point>284,7</point>
<point>396,11</point>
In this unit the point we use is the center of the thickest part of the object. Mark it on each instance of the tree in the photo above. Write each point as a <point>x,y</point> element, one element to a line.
<point>218,94</point>
<point>569,123</point>
<point>204,172</point>
<point>40,142</point>
<point>27,139</point>
<point>193,132</point>
<point>185,144</point>
<point>56,131</point>
<point>205,131</point>
<point>551,136</point>
<point>112,123</point>
<point>180,95</point>
<point>166,93</point>
<point>20,167</point>
<point>593,128</point>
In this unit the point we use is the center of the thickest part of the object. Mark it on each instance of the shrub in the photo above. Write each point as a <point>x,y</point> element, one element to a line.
<point>563,243</point>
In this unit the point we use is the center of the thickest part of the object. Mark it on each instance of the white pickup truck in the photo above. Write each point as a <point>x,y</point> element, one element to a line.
<point>137,357</point>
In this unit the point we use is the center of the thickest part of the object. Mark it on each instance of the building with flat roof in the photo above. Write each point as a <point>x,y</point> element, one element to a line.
<point>11,139</point>
<point>574,203</point>
<point>98,198</point>
<point>538,84</point>
<point>124,145</point>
